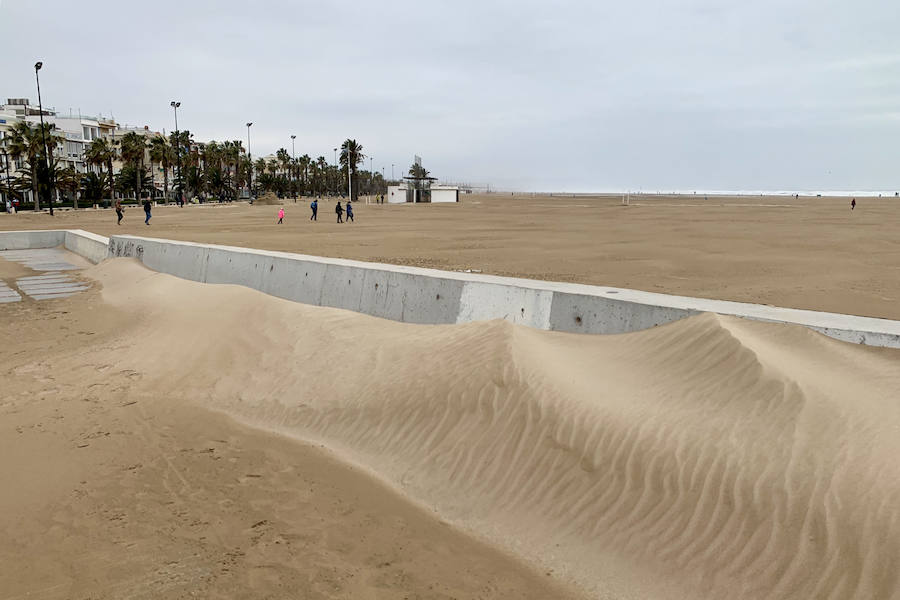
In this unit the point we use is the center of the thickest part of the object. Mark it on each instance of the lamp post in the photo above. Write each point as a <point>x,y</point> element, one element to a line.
<point>335,166</point>
<point>37,67</point>
<point>392,172</point>
<point>178,200</point>
<point>249,164</point>
<point>293,161</point>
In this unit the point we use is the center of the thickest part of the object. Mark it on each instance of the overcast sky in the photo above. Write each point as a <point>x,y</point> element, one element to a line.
<point>566,95</point>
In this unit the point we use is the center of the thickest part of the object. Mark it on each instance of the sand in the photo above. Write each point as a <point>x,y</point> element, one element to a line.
<point>164,434</point>
<point>811,253</point>
<point>114,489</point>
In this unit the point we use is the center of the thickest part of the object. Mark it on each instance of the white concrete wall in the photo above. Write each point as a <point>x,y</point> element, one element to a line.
<point>444,194</point>
<point>414,295</point>
<point>395,194</point>
<point>24,240</point>
<point>91,246</point>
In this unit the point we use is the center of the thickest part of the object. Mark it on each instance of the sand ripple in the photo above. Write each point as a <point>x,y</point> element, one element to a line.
<point>710,458</point>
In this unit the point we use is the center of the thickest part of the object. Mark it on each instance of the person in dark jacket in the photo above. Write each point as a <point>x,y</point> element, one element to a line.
<point>119,212</point>
<point>339,210</point>
<point>147,208</point>
<point>349,211</point>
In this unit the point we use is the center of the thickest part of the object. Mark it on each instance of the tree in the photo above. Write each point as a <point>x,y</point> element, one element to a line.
<point>181,144</point>
<point>68,180</point>
<point>92,187</point>
<point>303,164</point>
<point>100,153</point>
<point>133,147</point>
<point>351,153</point>
<point>24,141</point>
<point>420,182</point>
<point>161,152</point>
<point>131,177</point>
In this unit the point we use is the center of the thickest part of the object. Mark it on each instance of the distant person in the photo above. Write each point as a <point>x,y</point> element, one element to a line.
<point>349,211</point>
<point>314,205</point>
<point>853,204</point>
<point>8,206</point>
<point>119,212</point>
<point>339,211</point>
<point>280,216</point>
<point>382,198</point>
<point>147,208</point>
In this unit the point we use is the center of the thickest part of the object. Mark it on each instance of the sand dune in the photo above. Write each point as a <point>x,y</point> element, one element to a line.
<point>710,458</point>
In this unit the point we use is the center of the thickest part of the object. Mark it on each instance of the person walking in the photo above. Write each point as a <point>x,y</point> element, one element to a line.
<point>339,211</point>
<point>119,212</point>
<point>349,211</point>
<point>314,205</point>
<point>853,204</point>
<point>147,208</point>
<point>280,215</point>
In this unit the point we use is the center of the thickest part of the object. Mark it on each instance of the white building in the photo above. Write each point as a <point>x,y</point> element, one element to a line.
<point>444,193</point>
<point>404,192</point>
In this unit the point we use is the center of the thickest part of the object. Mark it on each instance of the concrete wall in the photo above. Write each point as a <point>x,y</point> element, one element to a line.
<point>25,240</point>
<point>91,246</point>
<point>416,295</point>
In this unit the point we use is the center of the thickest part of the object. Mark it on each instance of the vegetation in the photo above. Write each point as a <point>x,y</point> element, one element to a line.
<point>100,153</point>
<point>25,142</point>
<point>217,170</point>
<point>162,153</point>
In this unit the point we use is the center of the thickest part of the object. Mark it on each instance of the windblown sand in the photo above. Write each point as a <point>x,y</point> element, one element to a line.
<point>811,253</point>
<point>161,437</point>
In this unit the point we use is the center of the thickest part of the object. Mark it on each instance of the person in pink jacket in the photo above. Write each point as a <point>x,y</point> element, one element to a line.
<point>280,215</point>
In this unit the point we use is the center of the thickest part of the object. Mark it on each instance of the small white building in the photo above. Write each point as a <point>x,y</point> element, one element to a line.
<point>402,193</point>
<point>444,193</point>
<point>396,194</point>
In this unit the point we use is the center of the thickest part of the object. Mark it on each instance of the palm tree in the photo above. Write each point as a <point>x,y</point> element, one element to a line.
<point>25,141</point>
<point>303,167</point>
<point>92,187</point>
<point>68,180</point>
<point>101,153</point>
<point>163,153</point>
<point>133,147</point>
<point>351,153</point>
<point>283,159</point>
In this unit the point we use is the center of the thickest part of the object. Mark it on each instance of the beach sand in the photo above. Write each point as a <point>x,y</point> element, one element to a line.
<point>161,437</point>
<point>811,253</point>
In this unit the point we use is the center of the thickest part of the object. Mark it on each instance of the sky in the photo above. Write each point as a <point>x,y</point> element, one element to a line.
<point>570,95</point>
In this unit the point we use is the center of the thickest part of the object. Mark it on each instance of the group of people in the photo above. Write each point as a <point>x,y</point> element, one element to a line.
<point>120,212</point>
<point>314,207</point>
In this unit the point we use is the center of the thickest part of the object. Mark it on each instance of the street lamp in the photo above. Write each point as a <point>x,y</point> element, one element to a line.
<point>249,164</point>
<point>178,200</point>
<point>37,67</point>
<point>335,167</point>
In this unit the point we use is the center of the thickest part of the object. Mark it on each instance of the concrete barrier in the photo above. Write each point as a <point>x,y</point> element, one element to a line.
<point>91,246</point>
<point>415,295</point>
<point>26,240</point>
